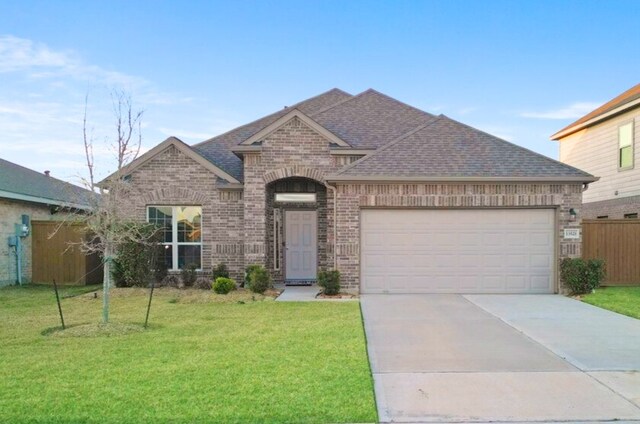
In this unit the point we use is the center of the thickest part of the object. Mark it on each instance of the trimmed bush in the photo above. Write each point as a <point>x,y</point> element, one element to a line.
<point>219,271</point>
<point>224,285</point>
<point>247,273</point>
<point>329,281</point>
<point>189,275</point>
<point>582,276</point>
<point>259,279</point>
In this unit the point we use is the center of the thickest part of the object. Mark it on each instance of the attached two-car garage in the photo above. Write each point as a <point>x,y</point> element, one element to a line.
<point>457,250</point>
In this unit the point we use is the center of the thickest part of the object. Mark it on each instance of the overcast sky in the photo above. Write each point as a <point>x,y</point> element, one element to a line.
<point>519,70</point>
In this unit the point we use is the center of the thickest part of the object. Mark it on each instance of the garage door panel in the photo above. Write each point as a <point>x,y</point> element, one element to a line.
<point>516,282</point>
<point>458,251</point>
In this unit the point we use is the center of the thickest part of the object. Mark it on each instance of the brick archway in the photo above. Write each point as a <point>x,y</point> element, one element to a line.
<point>174,195</point>
<point>294,171</point>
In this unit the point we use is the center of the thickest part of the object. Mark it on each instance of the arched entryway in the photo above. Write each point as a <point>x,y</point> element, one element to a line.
<point>296,229</point>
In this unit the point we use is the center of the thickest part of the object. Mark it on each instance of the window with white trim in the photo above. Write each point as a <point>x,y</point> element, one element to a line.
<point>181,234</point>
<point>625,146</point>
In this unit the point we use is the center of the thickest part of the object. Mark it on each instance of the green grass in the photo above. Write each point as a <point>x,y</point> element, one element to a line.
<point>624,300</point>
<point>201,361</point>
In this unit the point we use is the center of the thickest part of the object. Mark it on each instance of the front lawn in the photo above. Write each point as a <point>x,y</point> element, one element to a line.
<point>624,300</point>
<point>244,362</point>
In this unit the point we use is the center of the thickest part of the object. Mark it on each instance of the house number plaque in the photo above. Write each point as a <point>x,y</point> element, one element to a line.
<point>571,233</point>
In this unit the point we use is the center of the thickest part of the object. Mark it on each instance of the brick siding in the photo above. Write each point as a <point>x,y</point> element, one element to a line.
<point>292,151</point>
<point>352,197</point>
<point>613,209</point>
<point>238,225</point>
<point>173,179</point>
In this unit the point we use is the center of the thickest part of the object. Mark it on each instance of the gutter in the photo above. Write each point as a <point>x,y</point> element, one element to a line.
<point>41,200</point>
<point>568,131</point>
<point>397,179</point>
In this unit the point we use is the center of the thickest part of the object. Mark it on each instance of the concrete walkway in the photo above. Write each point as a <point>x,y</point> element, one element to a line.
<point>299,294</point>
<point>443,358</point>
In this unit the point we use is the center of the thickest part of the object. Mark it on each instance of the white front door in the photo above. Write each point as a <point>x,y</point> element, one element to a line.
<point>301,245</point>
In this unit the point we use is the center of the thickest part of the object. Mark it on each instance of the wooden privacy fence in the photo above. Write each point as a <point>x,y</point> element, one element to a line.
<point>617,241</point>
<point>52,255</point>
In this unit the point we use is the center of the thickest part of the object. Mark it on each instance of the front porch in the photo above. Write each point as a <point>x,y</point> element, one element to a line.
<point>296,230</point>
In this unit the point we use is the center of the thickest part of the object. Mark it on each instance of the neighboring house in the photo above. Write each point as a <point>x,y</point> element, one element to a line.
<point>603,144</point>
<point>28,198</point>
<point>398,200</point>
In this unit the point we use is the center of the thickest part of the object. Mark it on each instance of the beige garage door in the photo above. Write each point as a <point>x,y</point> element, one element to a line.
<point>457,251</point>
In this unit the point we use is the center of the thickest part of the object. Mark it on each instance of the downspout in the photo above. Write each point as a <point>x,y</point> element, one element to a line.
<point>335,224</point>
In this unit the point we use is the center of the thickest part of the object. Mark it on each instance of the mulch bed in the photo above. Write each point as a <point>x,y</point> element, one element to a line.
<point>337,296</point>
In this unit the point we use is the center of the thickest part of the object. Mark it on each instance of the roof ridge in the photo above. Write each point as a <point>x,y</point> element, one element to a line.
<point>326,108</point>
<point>295,105</point>
<point>393,142</point>
<point>368,91</point>
<point>496,139</point>
<point>400,102</point>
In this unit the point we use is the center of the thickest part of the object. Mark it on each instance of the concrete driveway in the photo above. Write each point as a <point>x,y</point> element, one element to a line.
<point>510,358</point>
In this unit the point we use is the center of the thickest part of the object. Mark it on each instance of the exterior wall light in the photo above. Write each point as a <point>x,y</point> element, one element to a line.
<point>572,214</point>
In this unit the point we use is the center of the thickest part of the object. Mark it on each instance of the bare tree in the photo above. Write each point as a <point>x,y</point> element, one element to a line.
<point>107,220</point>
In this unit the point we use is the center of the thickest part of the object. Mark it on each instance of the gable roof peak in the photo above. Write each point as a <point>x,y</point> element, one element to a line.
<point>291,114</point>
<point>182,147</point>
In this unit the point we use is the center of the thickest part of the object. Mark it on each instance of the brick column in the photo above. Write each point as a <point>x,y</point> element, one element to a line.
<point>254,211</point>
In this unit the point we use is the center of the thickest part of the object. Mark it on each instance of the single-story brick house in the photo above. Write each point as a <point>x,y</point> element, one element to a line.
<point>30,200</point>
<point>397,199</point>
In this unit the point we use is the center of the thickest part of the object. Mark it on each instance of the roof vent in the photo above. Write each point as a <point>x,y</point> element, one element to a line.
<point>47,172</point>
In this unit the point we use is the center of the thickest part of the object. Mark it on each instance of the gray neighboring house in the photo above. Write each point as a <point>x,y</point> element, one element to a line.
<point>395,198</point>
<point>603,143</point>
<point>38,197</point>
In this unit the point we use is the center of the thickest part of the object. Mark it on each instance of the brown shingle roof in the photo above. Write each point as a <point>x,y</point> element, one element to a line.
<point>370,119</point>
<point>218,149</point>
<point>446,149</point>
<point>627,97</point>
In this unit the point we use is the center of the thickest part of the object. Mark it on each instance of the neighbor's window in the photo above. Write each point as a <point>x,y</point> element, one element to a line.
<point>631,215</point>
<point>296,197</point>
<point>603,217</point>
<point>625,146</point>
<point>182,233</point>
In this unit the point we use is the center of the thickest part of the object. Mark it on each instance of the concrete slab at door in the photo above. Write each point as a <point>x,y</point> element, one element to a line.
<point>301,245</point>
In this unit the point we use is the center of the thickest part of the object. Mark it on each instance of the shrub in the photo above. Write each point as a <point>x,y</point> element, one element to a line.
<point>189,274</point>
<point>329,281</point>
<point>137,260</point>
<point>247,272</point>
<point>582,276</point>
<point>202,283</point>
<point>224,285</point>
<point>219,271</point>
<point>259,279</point>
